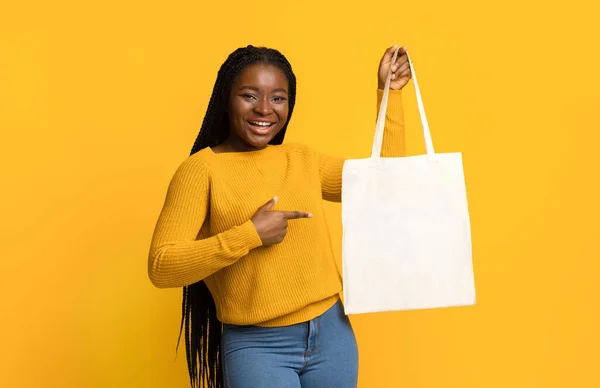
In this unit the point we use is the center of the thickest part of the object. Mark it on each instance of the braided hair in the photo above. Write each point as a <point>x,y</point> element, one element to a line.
<point>198,317</point>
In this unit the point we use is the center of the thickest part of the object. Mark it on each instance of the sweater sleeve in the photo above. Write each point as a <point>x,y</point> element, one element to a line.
<point>330,168</point>
<point>177,258</point>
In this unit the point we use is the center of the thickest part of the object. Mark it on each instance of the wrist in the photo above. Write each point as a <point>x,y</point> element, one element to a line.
<point>251,234</point>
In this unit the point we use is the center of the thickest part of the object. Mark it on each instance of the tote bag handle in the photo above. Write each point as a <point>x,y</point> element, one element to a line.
<point>378,140</point>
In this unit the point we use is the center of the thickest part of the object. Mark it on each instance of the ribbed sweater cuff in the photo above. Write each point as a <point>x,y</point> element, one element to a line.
<point>393,138</point>
<point>394,106</point>
<point>246,237</point>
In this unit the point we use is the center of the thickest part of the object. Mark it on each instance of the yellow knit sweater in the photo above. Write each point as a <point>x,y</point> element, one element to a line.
<point>204,231</point>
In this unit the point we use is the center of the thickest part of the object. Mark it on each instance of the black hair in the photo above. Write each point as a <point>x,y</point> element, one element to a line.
<point>198,317</point>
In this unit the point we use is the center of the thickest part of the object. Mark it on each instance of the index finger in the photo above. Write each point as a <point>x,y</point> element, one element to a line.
<point>295,215</point>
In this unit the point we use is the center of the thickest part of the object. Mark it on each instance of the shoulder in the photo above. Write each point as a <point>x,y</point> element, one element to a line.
<point>194,167</point>
<point>310,154</point>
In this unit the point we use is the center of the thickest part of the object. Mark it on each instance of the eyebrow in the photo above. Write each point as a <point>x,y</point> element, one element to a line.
<point>256,89</point>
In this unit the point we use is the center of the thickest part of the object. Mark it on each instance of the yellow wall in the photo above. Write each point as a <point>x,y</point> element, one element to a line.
<point>100,102</point>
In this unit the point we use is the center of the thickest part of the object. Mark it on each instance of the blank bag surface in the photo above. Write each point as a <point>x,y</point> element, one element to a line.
<point>406,229</point>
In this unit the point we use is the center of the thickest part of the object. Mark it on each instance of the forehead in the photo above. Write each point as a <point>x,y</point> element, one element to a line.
<point>262,75</point>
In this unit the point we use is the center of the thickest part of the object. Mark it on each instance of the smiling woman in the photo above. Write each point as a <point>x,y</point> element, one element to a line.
<point>257,108</point>
<point>261,304</point>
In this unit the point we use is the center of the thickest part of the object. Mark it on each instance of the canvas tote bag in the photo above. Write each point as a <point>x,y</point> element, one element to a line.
<point>406,229</point>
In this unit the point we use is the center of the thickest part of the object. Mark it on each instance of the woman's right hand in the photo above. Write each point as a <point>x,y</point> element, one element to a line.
<point>271,225</point>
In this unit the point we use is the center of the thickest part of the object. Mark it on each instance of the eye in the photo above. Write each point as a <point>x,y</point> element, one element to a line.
<point>279,99</point>
<point>248,96</point>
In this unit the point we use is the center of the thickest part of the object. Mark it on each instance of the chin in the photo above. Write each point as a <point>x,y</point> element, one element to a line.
<point>257,144</point>
<point>261,141</point>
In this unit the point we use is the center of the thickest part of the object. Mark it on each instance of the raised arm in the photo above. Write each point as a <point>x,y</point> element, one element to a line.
<point>330,168</point>
<point>394,140</point>
<point>176,257</point>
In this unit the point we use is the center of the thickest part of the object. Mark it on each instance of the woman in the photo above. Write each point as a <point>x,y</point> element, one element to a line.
<point>242,230</point>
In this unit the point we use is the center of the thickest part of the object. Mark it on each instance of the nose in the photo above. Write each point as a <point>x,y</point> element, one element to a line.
<point>263,107</point>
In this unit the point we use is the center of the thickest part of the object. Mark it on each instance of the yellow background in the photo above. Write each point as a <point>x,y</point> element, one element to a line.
<point>101,101</point>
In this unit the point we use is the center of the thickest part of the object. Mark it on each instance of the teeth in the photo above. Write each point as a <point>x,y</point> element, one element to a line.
<point>261,123</point>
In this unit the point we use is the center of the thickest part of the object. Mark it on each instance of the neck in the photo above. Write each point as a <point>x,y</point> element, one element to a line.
<point>235,144</point>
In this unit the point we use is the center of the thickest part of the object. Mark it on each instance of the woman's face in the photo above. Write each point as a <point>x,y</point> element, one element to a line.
<point>258,106</point>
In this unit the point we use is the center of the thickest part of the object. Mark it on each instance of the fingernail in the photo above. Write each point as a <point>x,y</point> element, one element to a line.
<point>309,215</point>
<point>275,198</point>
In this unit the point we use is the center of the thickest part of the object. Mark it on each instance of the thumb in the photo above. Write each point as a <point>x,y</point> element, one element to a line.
<point>269,205</point>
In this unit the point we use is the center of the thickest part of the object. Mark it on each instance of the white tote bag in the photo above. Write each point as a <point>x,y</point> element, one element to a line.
<point>406,228</point>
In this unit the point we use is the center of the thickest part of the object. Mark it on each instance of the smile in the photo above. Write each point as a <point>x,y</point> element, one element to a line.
<point>261,127</point>
<point>262,124</point>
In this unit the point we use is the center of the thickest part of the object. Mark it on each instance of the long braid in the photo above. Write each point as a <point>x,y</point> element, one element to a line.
<point>199,317</point>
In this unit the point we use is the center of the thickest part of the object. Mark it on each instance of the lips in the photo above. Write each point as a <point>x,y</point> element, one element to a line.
<point>261,127</point>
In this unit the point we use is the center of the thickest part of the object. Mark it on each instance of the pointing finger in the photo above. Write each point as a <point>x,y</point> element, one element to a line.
<point>295,215</point>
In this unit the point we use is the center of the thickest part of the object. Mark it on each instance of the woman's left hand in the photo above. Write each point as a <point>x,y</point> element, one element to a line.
<point>401,73</point>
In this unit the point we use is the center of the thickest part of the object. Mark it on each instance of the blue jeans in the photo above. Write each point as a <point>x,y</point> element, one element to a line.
<point>320,353</point>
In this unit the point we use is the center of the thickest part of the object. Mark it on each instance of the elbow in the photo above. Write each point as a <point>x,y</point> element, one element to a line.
<point>156,271</point>
<point>155,277</point>
<point>160,280</point>
<point>156,280</point>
